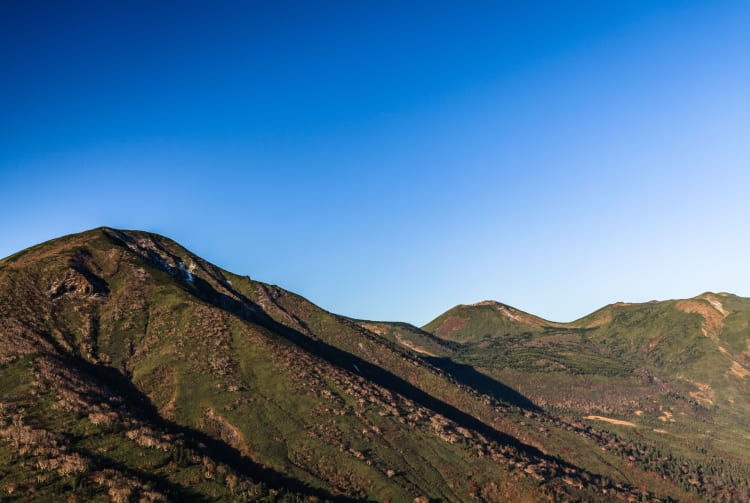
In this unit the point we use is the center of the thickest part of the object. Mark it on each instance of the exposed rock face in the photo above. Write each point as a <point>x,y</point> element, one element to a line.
<point>74,283</point>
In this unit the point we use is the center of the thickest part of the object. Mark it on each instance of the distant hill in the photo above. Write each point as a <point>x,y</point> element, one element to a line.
<point>675,373</point>
<point>133,370</point>
<point>487,319</point>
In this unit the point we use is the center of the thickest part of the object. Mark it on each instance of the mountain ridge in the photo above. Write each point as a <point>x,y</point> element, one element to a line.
<point>484,302</point>
<point>132,368</point>
<point>548,322</point>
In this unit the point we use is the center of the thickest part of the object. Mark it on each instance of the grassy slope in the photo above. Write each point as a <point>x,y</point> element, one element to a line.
<point>247,389</point>
<point>475,322</point>
<point>443,380</point>
<point>71,420</point>
<point>206,396</point>
<point>677,370</point>
<point>410,337</point>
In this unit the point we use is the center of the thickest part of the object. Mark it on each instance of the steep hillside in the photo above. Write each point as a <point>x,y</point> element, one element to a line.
<point>410,337</point>
<point>133,370</point>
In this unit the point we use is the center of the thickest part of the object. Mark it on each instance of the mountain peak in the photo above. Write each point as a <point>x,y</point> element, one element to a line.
<point>130,368</point>
<point>484,319</point>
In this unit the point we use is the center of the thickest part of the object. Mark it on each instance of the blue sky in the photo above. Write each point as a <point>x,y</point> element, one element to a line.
<point>389,161</point>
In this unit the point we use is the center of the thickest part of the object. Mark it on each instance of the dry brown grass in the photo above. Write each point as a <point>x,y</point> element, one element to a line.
<point>612,421</point>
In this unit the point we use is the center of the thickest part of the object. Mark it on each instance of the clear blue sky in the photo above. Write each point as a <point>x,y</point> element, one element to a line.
<point>389,160</point>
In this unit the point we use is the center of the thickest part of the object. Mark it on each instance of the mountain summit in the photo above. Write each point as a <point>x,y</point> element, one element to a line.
<point>133,370</point>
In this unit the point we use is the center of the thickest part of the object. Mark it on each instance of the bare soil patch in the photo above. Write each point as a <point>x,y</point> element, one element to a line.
<point>612,421</point>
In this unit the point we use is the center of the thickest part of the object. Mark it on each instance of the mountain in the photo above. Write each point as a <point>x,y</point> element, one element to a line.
<point>674,373</point>
<point>133,370</point>
<point>485,319</point>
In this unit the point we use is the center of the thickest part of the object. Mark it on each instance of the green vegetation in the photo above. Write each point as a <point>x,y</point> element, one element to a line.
<point>675,373</point>
<point>133,370</point>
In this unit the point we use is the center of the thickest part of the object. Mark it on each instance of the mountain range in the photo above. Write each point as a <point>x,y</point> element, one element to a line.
<point>133,370</point>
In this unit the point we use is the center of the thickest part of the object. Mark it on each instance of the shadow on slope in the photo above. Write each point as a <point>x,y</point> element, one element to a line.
<point>241,306</point>
<point>251,312</point>
<point>484,384</point>
<point>140,405</point>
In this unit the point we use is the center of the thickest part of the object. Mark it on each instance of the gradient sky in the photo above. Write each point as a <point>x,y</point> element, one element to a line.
<point>389,160</point>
